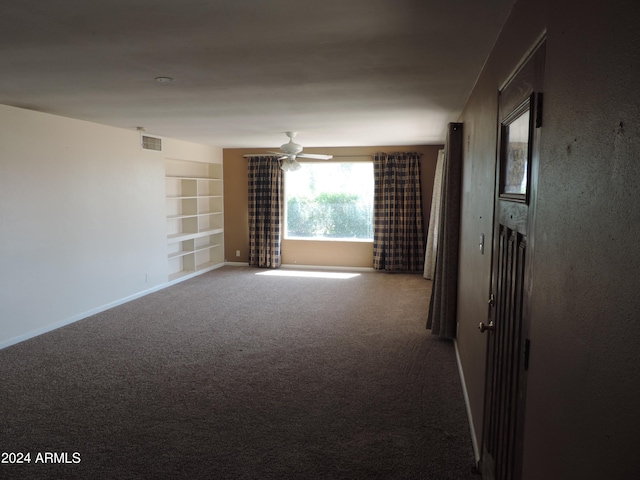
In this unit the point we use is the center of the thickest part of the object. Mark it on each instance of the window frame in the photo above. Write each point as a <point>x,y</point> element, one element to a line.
<point>290,175</point>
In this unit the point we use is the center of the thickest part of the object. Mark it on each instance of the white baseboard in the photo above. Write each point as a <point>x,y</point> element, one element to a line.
<point>80,316</point>
<point>94,311</point>
<point>193,274</point>
<point>474,440</point>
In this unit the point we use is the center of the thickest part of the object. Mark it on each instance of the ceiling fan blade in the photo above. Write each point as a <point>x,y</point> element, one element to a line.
<point>280,155</point>
<point>315,156</point>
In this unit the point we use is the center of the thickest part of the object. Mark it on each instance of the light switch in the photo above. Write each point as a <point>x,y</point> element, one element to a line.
<point>481,245</point>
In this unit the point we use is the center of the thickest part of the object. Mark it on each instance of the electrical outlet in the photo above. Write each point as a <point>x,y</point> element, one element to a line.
<point>237,253</point>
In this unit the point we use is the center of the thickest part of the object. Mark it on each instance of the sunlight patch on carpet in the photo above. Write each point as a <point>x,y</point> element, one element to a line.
<point>302,273</point>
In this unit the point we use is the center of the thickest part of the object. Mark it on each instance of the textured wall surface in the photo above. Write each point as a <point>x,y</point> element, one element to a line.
<point>582,414</point>
<point>480,117</point>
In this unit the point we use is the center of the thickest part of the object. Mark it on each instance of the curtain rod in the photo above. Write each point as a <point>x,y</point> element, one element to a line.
<point>362,155</point>
<point>370,154</point>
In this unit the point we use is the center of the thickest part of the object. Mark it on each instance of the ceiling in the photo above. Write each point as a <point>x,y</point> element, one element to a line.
<point>340,72</point>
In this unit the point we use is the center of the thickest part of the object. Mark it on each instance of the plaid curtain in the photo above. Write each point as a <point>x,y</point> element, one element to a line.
<point>398,238</point>
<point>265,211</point>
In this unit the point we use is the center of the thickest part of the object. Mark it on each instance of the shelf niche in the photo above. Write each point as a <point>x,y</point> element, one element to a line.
<point>195,223</point>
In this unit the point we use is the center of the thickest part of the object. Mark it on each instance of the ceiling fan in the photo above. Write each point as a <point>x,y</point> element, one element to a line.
<point>289,152</point>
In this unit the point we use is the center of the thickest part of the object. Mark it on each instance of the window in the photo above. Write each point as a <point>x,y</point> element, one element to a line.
<point>330,201</point>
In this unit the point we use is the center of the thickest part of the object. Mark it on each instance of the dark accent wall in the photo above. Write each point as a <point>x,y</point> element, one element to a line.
<point>582,416</point>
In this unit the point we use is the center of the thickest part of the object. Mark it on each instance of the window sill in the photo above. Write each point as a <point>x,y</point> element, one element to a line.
<point>324,239</point>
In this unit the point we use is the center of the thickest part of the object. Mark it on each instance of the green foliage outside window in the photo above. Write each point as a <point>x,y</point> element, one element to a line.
<point>329,215</point>
<point>330,201</point>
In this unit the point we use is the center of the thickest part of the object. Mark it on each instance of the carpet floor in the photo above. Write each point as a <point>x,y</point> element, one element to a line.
<point>241,373</point>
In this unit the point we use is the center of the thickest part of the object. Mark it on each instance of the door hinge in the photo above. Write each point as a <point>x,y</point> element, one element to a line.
<point>539,110</point>
<point>527,349</point>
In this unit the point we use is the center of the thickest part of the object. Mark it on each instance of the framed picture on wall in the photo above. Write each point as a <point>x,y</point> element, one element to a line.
<point>515,153</point>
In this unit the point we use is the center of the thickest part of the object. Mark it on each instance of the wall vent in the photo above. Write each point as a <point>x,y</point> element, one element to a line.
<point>149,142</point>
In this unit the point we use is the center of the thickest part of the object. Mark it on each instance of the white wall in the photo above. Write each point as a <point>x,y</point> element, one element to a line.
<point>82,218</point>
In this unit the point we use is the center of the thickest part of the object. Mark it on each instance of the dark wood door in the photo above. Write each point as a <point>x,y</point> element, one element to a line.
<point>520,122</point>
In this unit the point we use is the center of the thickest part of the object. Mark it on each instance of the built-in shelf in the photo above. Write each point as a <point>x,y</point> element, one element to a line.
<point>195,224</point>
<point>175,217</point>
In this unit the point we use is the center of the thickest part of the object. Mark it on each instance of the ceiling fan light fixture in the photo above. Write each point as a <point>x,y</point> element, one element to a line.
<point>290,165</point>
<point>288,154</point>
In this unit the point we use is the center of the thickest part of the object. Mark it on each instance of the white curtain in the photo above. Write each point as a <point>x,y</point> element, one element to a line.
<point>434,220</point>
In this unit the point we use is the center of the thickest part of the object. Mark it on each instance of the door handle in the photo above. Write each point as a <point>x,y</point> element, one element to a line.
<point>484,327</point>
<point>492,300</point>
